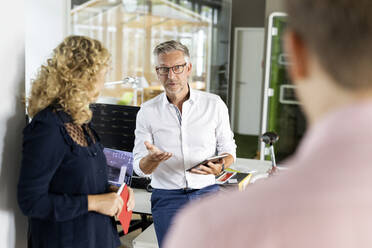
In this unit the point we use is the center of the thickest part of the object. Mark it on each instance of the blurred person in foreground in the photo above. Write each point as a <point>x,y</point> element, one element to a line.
<point>63,185</point>
<point>325,199</point>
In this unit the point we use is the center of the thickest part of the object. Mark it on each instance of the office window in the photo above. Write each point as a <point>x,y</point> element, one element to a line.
<point>130,29</point>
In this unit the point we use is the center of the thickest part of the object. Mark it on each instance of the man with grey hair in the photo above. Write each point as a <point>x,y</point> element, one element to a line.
<point>177,130</point>
<point>325,199</point>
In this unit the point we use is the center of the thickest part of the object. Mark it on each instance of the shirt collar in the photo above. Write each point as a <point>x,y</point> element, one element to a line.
<point>193,95</point>
<point>192,98</point>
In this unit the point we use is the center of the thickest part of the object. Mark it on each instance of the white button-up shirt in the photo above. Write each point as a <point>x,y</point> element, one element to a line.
<point>201,131</point>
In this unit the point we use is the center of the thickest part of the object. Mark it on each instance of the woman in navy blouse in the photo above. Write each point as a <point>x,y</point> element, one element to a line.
<point>63,185</point>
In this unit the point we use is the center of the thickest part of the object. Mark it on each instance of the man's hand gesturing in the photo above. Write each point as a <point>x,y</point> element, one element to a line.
<point>149,163</point>
<point>155,154</point>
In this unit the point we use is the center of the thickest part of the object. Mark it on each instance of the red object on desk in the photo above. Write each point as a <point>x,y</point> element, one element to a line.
<point>125,216</point>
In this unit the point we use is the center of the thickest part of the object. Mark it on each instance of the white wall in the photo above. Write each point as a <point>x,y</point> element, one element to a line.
<point>274,6</point>
<point>46,26</point>
<point>12,71</point>
<point>44,22</point>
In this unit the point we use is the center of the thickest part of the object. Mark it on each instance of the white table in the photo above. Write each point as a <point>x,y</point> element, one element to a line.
<point>258,167</point>
<point>249,165</point>
<point>143,201</point>
<point>147,239</point>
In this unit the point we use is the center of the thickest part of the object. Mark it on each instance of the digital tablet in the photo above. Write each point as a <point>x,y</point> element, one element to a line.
<point>210,159</point>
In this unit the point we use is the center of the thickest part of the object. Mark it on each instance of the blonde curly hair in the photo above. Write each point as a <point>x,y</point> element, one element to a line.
<point>69,78</point>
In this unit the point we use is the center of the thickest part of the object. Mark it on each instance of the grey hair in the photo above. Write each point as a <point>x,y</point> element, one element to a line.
<point>170,46</point>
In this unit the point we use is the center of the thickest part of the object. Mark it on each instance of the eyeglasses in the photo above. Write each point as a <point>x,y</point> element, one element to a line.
<point>177,69</point>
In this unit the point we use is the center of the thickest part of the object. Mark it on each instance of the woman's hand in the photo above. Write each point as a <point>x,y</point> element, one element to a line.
<point>107,204</point>
<point>131,200</point>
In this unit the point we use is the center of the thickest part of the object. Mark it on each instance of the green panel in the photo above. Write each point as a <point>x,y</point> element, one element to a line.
<point>277,73</point>
<point>286,120</point>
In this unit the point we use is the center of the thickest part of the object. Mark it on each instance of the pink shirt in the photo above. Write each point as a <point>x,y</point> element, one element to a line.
<point>325,200</point>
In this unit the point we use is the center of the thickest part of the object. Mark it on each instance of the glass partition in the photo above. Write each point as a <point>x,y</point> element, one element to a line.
<point>282,112</point>
<point>131,29</point>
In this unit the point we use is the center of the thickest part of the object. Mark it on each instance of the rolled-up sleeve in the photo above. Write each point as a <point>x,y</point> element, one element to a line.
<point>43,152</point>
<point>142,134</point>
<point>224,135</point>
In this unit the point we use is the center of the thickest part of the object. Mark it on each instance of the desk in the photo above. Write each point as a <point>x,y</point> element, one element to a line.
<point>147,239</point>
<point>143,201</point>
<point>143,208</point>
<point>248,165</point>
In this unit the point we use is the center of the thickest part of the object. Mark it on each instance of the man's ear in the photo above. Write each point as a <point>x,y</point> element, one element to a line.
<point>298,54</point>
<point>189,67</point>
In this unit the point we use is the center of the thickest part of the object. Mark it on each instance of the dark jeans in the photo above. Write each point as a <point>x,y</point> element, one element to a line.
<point>166,203</point>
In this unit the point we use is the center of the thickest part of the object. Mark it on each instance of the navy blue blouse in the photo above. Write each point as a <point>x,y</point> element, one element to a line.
<point>56,176</point>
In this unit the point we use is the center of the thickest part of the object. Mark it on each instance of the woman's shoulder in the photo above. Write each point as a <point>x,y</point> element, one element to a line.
<point>48,115</point>
<point>45,131</point>
<point>49,119</point>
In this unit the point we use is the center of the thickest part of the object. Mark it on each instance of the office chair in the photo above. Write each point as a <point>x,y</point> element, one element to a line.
<point>115,125</point>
